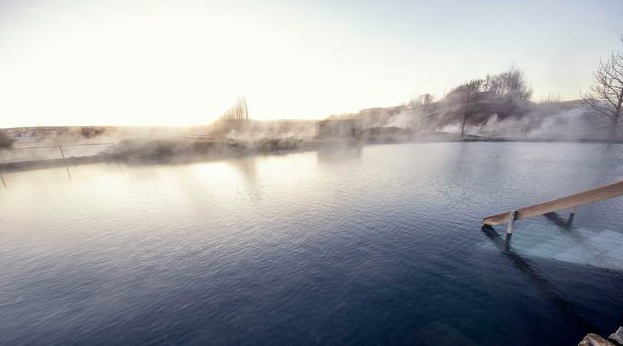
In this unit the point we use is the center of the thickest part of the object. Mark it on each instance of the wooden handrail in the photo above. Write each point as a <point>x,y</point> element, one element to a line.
<point>569,202</point>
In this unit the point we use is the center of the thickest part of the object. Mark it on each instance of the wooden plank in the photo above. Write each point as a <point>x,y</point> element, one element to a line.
<point>589,196</point>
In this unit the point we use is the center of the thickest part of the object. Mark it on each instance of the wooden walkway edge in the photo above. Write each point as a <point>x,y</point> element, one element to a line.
<point>569,202</point>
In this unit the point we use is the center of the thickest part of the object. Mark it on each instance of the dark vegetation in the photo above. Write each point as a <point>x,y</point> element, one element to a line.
<point>5,140</point>
<point>467,108</point>
<point>486,108</point>
<point>505,94</point>
<point>183,149</point>
<point>501,105</point>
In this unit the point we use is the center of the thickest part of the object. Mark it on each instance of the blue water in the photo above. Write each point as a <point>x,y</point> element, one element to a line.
<point>374,246</point>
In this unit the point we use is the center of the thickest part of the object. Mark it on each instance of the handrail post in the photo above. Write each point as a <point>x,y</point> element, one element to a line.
<point>572,215</point>
<point>61,149</point>
<point>511,220</point>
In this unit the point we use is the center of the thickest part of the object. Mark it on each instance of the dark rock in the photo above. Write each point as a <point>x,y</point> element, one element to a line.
<point>617,337</point>
<point>594,340</point>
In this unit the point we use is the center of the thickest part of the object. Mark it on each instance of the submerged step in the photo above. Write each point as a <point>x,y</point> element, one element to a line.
<point>597,249</point>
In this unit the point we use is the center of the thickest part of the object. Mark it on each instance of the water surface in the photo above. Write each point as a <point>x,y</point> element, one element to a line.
<point>378,245</point>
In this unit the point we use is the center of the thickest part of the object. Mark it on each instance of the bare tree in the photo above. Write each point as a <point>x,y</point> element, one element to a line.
<point>509,83</point>
<point>423,101</point>
<point>238,112</point>
<point>234,119</point>
<point>470,95</point>
<point>605,97</point>
<point>551,98</point>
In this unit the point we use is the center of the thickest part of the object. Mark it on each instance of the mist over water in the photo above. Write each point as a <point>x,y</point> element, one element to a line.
<point>372,245</point>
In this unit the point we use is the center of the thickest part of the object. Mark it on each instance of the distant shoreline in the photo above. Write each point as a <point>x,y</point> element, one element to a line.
<point>234,149</point>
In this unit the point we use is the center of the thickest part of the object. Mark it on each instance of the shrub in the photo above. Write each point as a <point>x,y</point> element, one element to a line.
<point>5,140</point>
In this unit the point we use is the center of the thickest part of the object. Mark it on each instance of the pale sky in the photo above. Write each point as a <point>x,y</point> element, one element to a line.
<point>183,62</point>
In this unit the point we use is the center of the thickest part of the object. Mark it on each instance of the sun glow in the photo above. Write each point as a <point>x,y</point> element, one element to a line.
<point>155,63</point>
<point>165,62</point>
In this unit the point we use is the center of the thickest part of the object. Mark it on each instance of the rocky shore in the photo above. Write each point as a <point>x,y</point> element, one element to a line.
<point>615,339</point>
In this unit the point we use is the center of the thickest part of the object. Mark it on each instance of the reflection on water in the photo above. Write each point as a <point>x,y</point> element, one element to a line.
<point>340,154</point>
<point>545,287</point>
<point>556,219</point>
<point>372,245</point>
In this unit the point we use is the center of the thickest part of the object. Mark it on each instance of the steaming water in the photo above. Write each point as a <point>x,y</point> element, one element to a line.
<point>374,246</point>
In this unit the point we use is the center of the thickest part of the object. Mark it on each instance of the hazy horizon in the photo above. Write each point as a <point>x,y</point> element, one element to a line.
<point>167,63</point>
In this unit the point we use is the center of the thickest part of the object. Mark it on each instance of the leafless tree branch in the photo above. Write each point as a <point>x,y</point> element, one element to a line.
<point>605,97</point>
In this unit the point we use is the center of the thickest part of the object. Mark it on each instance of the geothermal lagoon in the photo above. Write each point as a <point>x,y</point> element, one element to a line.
<point>358,245</point>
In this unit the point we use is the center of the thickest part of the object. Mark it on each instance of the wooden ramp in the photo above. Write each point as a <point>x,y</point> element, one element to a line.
<point>569,202</point>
